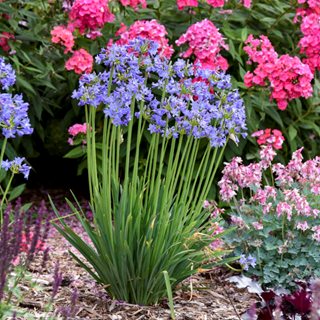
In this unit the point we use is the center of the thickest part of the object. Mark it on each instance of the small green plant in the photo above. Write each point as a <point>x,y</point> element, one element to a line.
<point>149,219</point>
<point>276,209</point>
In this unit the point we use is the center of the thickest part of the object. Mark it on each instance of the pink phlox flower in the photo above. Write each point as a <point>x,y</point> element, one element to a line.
<point>260,50</point>
<point>4,40</point>
<point>81,62</point>
<point>151,30</point>
<point>134,3</point>
<point>302,226</point>
<point>205,42</point>
<point>247,3</point>
<point>90,14</point>
<point>216,3</point>
<point>62,35</point>
<point>272,137</point>
<point>77,129</point>
<point>186,3</point>
<point>288,77</point>
<point>310,27</point>
<point>284,208</point>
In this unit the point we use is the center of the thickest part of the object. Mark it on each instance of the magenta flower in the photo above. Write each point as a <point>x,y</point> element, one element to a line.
<point>81,62</point>
<point>205,42</point>
<point>63,36</point>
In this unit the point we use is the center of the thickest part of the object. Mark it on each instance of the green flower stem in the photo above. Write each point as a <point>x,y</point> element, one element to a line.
<point>5,196</point>
<point>3,149</point>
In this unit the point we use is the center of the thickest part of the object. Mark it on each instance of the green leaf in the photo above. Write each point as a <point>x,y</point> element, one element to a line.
<point>292,132</point>
<point>17,191</point>
<point>76,152</point>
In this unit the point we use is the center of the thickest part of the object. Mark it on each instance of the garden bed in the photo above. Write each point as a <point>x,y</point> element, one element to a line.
<point>212,296</point>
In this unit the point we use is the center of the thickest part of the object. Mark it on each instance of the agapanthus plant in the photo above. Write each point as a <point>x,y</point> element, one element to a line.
<point>276,210</point>
<point>14,121</point>
<point>148,215</point>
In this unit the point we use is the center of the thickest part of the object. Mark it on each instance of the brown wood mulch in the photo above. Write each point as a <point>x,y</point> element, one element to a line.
<point>203,297</point>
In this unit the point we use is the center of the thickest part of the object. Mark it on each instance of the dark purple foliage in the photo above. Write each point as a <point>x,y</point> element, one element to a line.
<point>57,280</point>
<point>19,240</point>
<point>300,303</point>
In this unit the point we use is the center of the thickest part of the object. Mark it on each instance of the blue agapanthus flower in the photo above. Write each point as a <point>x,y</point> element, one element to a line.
<point>247,261</point>
<point>178,98</point>
<point>7,75</point>
<point>14,120</point>
<point>17,166</point>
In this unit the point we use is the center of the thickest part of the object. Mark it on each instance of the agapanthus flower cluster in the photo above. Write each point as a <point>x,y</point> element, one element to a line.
<point>16,166</point>
<point>247,261</point>
<point>63,36</point>
<point>14,120</point>
<point>90,15</point>
<point>7,75</point>
<point>195,102</point>
<point>145,29</point>
<point>134,3</point>
<point>205,43</point>
<point>81,62</point>
<point>310,28</point>
<point>287,77</point>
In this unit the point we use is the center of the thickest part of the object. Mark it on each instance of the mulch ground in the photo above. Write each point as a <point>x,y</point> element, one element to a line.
<point>208,296</point>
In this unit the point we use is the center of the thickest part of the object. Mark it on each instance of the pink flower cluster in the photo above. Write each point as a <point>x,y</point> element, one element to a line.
<point>134,3</point>
<point>90,15</point>
<point>62,35</point>
<point>287,76</point>
<point>4,40</point>
<point>205,42</point>
<point>294,196</point>
<point>75,130</point>
<point>81,62</point>
<point>151,30</point>
<point>269,136</point>
<point>310,28</point>
<point>214,3</point>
